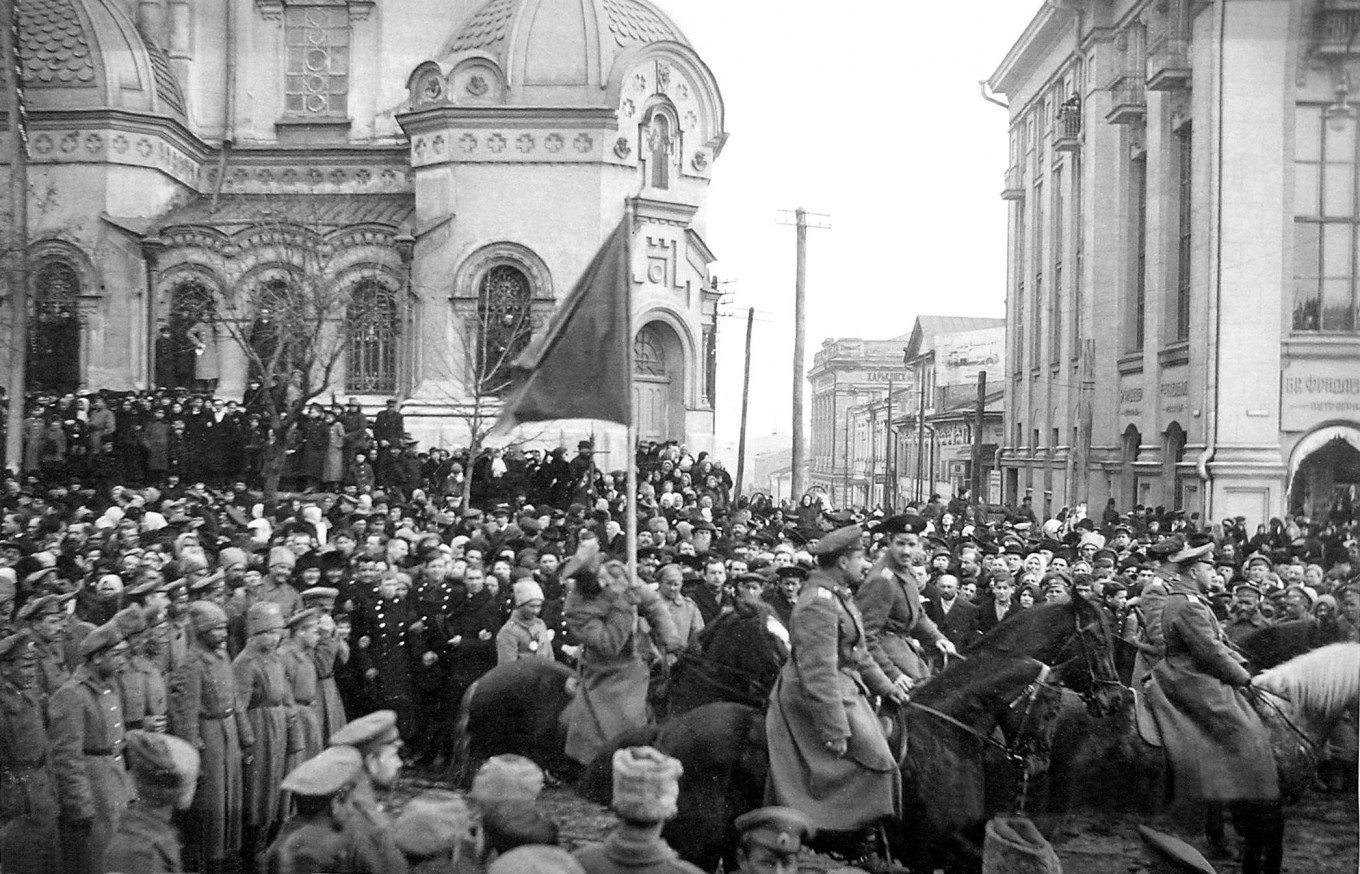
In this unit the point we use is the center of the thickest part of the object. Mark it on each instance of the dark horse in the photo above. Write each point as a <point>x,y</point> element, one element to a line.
<point>737,659</point>
<point>1305,697</point>
<point>519,707</point>
<point>949,762</point>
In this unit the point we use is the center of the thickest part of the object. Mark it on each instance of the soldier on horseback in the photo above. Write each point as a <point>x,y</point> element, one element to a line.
<point>1218,746</point>
<point>894,618</point>
<point>828,756</point>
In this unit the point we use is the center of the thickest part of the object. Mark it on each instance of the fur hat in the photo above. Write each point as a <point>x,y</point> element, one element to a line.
<point>232,556</point>
<point>526,591</point>
<point>507,777</point>
<point>646,784</point>
<point>282,555</point>
<point>205,615</point>
<point>263,616</point>
<point>437,824</point>
<point>165,767</point>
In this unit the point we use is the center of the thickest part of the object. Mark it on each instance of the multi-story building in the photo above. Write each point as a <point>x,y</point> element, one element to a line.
<point>449,166</point>
<point>1182,287</point>
<point>846,373</point>
<point>934,425</point>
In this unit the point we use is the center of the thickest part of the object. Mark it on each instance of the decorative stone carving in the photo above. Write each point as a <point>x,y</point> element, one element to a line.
<point>430,88</point>
<point>691,120</point>
<point>496,143</point>
<point>583,142</point>
<point>554,143</point>
<point>476,86</point>
<point>623,148</point>
<point>525,143</point>
<point>468,143</point>
<point>700,161</point>
<point>663,77</point>
<point>438,144</point>
<point>627,108</point>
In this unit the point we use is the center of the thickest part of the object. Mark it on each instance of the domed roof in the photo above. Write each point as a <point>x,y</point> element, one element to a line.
<point>87,54</point>
<point>558,42</point>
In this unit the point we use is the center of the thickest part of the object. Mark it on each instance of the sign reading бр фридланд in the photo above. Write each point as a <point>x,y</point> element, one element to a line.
<point>1313,392</point>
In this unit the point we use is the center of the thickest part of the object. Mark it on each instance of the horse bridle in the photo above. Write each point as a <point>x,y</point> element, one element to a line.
<point>1089,660</point>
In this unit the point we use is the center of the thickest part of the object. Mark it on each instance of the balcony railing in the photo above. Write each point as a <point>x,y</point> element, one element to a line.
<point>1128,100</point>
<point>1168,64</point>
<point>1336,29</point>
<point>1067,137</point>
<point>1014,188</point>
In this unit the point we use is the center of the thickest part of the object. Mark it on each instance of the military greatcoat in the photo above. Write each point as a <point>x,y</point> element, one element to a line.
<point>328,653</point>
<point>204,711</point>
<point>144,692</point>
<point>1218,746</point>
<point>28,794</point>
<point>269,705</point>
<point>613,693</point>
<point>93,786</point>
<point>822,695</point>
<point>299,667</point>
<point>891,608</point>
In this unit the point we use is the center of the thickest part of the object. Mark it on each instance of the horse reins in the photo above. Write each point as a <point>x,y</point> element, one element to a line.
<point>1028,695</point>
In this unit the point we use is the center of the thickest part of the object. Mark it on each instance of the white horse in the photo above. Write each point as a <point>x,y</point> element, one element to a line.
<point>1302,701</point>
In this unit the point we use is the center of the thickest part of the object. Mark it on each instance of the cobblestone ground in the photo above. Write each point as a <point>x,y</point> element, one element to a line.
<point>1322,833</point>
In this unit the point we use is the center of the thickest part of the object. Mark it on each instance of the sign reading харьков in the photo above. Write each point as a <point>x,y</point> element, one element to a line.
<point>1315,392</point>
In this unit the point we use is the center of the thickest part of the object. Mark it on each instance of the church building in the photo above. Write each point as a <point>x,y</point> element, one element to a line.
<point>448,167</point>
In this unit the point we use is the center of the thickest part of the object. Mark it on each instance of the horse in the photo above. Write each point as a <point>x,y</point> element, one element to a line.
<point>737,659</point>
<point>519,707</point>
<point>949,760</point>
<point>1300,700</point>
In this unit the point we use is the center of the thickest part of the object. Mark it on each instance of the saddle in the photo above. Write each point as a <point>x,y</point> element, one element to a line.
<point>894,724</point>
<point>1148,729</point>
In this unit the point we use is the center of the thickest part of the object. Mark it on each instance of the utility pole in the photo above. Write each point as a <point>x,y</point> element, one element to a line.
<point>889,481</point>
<point>975,464</point>
<point>920,436</point>
<point>745,400</point>
<point>16,242</point>
<point>800,222</point>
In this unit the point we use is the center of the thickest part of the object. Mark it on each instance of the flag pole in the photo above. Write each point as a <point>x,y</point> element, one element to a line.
<point>630,451</point>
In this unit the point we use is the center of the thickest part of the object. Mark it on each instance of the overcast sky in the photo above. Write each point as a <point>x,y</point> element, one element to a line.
<point>868,110</point>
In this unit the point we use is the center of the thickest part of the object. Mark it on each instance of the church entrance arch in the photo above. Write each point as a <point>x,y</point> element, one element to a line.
<point>1325,472</point>
<point>659,382</point>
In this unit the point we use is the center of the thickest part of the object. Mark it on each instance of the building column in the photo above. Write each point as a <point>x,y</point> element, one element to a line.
<point>1248,181</point>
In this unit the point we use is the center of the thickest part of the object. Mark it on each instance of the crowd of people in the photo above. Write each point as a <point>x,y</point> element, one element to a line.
<point>306,650</point>
<point>174,436</point>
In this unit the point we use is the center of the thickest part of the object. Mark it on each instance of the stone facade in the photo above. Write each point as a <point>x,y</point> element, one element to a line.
<point>1182,310</point>
<point>846,373</point>
<point>461,161</point>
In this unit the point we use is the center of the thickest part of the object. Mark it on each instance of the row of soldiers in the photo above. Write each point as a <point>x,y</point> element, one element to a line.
<point>84,791</point>
<point>64,728</point>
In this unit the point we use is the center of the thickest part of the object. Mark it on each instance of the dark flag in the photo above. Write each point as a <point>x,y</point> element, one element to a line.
<point>580,366</point>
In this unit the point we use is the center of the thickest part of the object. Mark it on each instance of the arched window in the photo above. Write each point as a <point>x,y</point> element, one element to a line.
<point>54,335</point>
<point>373,322</point>
<point>656,136</point>
<point>191,304</point>
<point>649,353</point>
<point>265,334</point>
<point>504,325</point>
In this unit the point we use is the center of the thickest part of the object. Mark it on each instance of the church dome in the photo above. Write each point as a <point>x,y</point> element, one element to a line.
<point>87,54</point>
<point>556,46</point>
